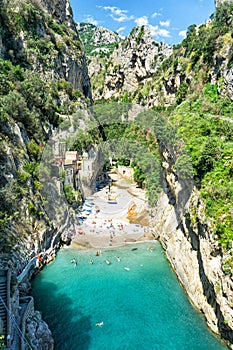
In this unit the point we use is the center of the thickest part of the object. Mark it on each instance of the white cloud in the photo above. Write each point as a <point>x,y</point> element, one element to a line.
<point>155,30</point>
<point>156,14</point>
<point>90,19</point>
<point>121,29</point>
<point>117,14</point>
<point>183,33</point>
<point>158,32</point>
<point>165,23</point>
<point>142,21</point>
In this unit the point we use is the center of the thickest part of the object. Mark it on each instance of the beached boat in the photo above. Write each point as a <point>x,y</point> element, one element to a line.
<point>112,199</point>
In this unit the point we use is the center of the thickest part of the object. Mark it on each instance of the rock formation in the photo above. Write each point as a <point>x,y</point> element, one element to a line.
<point>41,60</point>
<point>182,228</point>
<point>133,62</point>
<point>97,40</point>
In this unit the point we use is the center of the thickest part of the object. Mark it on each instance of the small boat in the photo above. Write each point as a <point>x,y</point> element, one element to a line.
<point>127,268</point>
<point>107,262</point>
<point>91,261</point>
<point>99,324</point>
<point>118,259</point>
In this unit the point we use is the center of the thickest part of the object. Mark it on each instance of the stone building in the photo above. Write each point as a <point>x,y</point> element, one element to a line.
<point>72,164</point>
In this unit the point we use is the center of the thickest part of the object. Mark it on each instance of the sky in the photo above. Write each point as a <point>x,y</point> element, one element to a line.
<point>168,20</point>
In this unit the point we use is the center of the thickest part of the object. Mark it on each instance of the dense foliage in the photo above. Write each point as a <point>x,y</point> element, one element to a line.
<point>31,102</point>
<point>209,140</point>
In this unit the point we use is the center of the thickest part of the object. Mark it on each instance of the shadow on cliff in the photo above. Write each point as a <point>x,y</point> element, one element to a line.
<point>179,205</point>
<point>70,327</point>
<point>208,288</point>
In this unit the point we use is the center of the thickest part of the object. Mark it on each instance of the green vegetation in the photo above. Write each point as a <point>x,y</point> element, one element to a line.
<point>210,146</point>
<point>44,39</point>
<point>87,32</point>
<point>2,343</point>
<point>69,194</point>
<point>132,143</point>
<point>140,35</point>
<point>198,116</point>
<point>228,266</point>
<point>32,97</point>
<point>139,176</point>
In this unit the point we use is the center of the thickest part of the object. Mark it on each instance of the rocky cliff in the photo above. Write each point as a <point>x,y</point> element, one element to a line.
<point>43,76</point>
<point>42,35</point>
<point>133,62</point>
<point>181,226</point>
<point>97,41</point>
<point>219,2</point>
<point>153,74</point>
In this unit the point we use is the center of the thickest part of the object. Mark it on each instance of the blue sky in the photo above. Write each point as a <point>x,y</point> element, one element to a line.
<point>167,19</point>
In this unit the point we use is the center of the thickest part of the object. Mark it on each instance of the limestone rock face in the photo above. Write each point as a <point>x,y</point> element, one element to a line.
<point>39,333</point>
<point>223,69</point>
<point>46,39</point>
<point>38,39</point>
<point>99,36</point>
<point>97,40</point>
<point>193,253</point>
<point>153,74</point>
<point>105,37</point>
<point>132,62</point>
<point>60,10</point>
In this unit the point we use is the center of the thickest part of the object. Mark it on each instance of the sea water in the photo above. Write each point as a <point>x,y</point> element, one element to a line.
<point>135,302</point>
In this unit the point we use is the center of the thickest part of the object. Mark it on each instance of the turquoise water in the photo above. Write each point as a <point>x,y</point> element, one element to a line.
<point>141,308</point>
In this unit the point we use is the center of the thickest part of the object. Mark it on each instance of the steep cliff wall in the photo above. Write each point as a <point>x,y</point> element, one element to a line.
<point>43,74</point>
<point>41,35</point>
<point>153,74</point>
<point>97,40</point>
<point>132,63</point>
<point>194,254</point>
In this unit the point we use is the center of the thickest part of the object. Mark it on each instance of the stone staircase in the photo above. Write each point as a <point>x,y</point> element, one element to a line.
<point>4,301</point>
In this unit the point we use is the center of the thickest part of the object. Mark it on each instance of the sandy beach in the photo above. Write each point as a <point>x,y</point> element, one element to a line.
<point>115,216</point>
